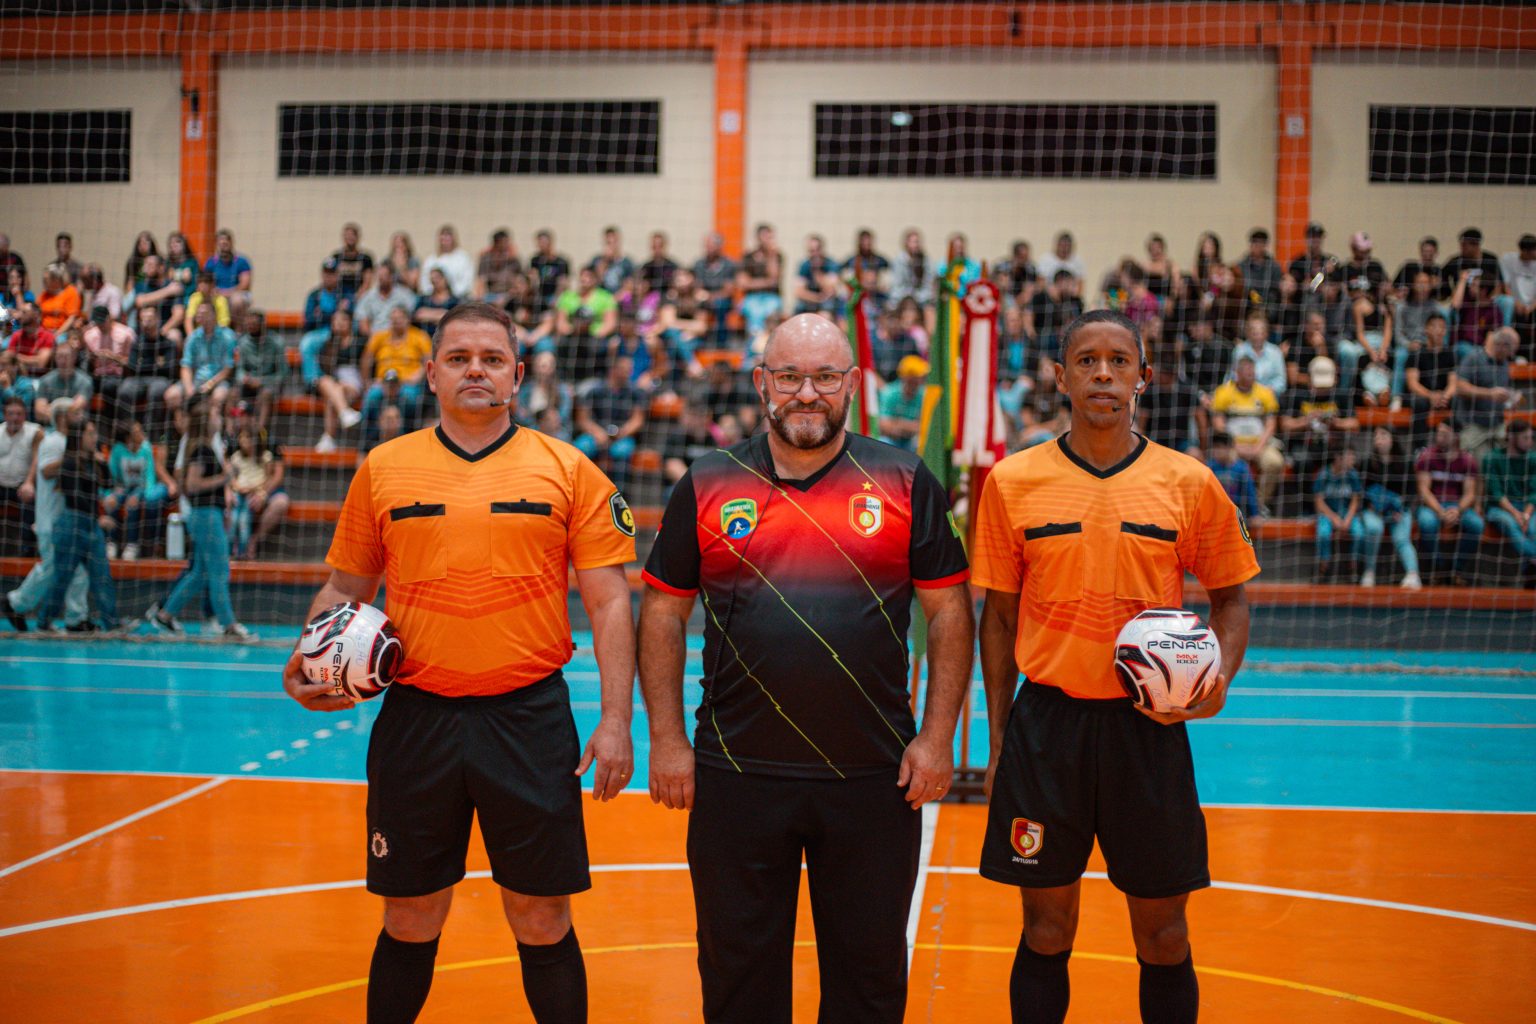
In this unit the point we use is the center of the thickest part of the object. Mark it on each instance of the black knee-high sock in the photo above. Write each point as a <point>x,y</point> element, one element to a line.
<point>399,979</point>
<point>1039,989</point>
<point>1170,993</point>
<point>555,981</point>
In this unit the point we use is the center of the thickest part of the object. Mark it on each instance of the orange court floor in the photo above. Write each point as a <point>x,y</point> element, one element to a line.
<point>149,898</point>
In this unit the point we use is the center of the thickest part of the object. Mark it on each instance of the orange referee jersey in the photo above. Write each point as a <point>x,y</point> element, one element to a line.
<point>474,552</point>
<point>1087,550</point>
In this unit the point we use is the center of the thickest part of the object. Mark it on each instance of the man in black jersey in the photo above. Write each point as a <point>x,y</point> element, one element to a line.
<point>806,543</point>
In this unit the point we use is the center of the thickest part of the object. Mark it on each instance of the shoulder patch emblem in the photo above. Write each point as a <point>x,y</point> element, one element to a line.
<point>866,514</point>
<point>1242,526</point>
<point>623,518</point>
<point>738,517</point>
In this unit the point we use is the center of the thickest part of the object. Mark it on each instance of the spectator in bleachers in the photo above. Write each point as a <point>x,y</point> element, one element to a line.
<point>866,260</point>
<point>232,271</point>
<point>525,308</point>
<point>1509,480</point>
<point>108,352</point>
<point>65,380</point>
<point>609,419</point>
<point>1262,274</point>
<point>1413,310</point>
<point>647,361</point>
<point>1313,266</point>
<point>457,265</point>
<point>30,349</point>
<point>1446,479</point>
<point>1484,391</point>
<point>19,441</point>
<point>78,539</point>
<point>585,315</point>
<point>901,403</point>
<point>59,302</point>
<point>1226,302</point>
<point>715,272</point>
<point>1159,267</point>
<point>1157,344</point>
<point>433,306</point>
<point>322,300</point>
<point>137,495</point>
<point>144,244</point>
<point>1169,412</point>
<point>207,292</point>
<point>261,366</point>
<point>1288,314</point>
<point>256,475</point>
<point>910,315</point>
<point>760,279</point>
<point>9,257</point>
<point>1207,258</point>
<point>551,271</point>
<point>154,364</point>
<point>1313,343</point>
<point>18,603</point>
<point>890,343</point>
<point>1013,348</point>
<point>1369,341</point>
<point>913,275</point>
<point>970,270</point>
<point>1049,312</point>
<point>816,284</point>
<point>17,293</point>
<point>727,391</point>
<point>1338,499</point>
<point>1016,275</point>
<point>1489,277</point>
<point>1476,314</point>
<point>1429,253</point>
<point>497,265</point>
<point>543,390</point>
<point>64,256</point>
<point>1316,419</point>
<point>658,270</point>
<point>204,478</point>
<point>1389,489</point>
<point>1061,258</point>
<point>1430,377</point>
<point>156,290</point>
<point>1519,270</point>
<point>1139,304</point>
<point>96,290</point>
<point>402,258</point>
<point>612,267</point>
<point>684,320</point>
<point>1248,411</point>
<point>372,309</point>
<point>391,426</point>
<point>181,265</point>
<point>404,350</point>
<point>695,437</point>
<point>1268,360</point>
<point>1234,474</point>
<point>207,363</point>
<point>354,265</point>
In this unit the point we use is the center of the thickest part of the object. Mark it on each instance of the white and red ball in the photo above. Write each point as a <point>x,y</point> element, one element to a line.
<point>1167,658</point>
<point>353,648</point>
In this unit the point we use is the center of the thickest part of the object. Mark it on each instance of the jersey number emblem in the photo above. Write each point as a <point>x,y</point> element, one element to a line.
<point>738,518</point>
<point>866,514</point>
<point>1027,837</point>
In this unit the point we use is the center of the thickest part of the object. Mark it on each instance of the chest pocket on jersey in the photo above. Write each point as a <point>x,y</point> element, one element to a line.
<point>521,532</point>
<point>1055,556</point>
<point>416,537</point>
<point>1144,557</point>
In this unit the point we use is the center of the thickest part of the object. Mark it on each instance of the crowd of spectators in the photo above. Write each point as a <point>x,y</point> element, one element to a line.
<point>1261,368</point>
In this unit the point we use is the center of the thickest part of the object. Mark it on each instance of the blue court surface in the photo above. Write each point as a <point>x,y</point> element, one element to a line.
<point>1308,728</point>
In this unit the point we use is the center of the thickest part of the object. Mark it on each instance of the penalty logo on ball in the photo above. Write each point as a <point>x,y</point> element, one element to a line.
<point>1166,658</point>
<point>353,648</point>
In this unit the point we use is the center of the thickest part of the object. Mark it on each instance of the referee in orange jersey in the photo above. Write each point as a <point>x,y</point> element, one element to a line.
<point>472,526</point>
<point>1073,539</point>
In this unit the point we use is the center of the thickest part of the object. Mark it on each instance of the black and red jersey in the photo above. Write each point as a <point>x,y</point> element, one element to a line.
<point>807,588</point>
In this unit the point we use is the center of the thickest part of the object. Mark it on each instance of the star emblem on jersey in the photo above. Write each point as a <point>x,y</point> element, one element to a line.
<point>738,517</point>
<point>378,845</point>
<point>1027,837</point>
<point>623,518</point>
<point>866,514</point>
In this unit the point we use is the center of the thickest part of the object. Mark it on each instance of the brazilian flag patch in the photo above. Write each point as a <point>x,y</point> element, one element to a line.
<point>623,518</point>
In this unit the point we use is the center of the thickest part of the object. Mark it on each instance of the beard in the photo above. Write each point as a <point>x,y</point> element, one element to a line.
<point>808,435</point>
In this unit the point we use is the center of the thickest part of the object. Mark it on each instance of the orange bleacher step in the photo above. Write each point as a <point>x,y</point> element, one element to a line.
<point>309,458</point>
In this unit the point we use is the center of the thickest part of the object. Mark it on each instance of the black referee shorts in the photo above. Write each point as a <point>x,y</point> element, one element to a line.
<point>1074,769</point>
<point>435,762</point>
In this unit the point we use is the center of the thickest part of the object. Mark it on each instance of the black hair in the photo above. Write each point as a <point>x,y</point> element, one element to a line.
<point>1435,316</point>
<point>1221,439</point>
<point>1103,316</point>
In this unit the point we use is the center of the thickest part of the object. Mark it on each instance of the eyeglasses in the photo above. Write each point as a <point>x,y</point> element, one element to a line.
<point>789,382</point>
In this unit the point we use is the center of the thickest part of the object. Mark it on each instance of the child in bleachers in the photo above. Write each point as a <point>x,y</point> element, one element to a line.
<point>1338,497</point>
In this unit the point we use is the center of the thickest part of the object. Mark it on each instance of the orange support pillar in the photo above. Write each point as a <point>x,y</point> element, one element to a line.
<point>730,138</point>
<point>199,142</point>
<point>1293,155</point>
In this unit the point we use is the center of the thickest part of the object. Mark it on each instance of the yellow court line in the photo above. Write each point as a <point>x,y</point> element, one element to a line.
<point>654,947</point>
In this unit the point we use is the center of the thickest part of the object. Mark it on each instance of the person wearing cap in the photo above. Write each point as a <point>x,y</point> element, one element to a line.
<point>1313,260</point>
<point>1261,273</point>
<point>1474,264</point>
<point>1519,270</point>
<point>1314,419</point>
<point>901,403</point>
<point>324,300</point>
<point>208,292</point>
<point>1368,342</point>
<point>110,345</point>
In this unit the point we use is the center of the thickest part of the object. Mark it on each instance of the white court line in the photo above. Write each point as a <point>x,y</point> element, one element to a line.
<point>218,780</point>
<point>1323,897</point>
<point>358,883</point>
<point>930,814</point>
<point>578,675</point>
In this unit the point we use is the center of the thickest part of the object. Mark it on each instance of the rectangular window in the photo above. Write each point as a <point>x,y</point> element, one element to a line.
<point>65,147</point>
<point>1143,141</point>
<point>368,139</point>
<point>1453,145</point>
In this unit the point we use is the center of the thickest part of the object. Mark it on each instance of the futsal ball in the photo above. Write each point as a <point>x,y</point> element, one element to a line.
<point>1167,658</point>
<point>353,648</point>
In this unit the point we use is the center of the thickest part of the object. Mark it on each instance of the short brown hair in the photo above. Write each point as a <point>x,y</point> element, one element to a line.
<point>476,311</point>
